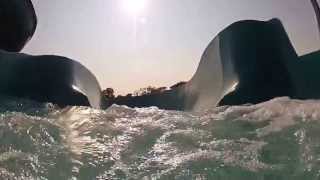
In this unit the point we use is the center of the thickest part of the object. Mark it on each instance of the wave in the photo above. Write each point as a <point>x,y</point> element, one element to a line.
<point>277,139</point>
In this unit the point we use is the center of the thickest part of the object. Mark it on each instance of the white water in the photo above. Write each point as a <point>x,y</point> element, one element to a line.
<point>278,139</point>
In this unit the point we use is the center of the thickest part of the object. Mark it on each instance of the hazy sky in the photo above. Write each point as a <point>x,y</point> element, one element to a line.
<point>158,44</point>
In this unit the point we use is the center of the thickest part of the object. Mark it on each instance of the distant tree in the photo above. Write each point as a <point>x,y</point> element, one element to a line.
<point>316,8</point>
<point>162,89</point>
<point>145,91</point>
<point>108,93</point>
<point>154,90</point>
<point>178,85</point>
<point>120,97</point>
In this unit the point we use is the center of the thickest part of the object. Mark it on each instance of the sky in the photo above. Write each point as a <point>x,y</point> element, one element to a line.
<point>130,44</point>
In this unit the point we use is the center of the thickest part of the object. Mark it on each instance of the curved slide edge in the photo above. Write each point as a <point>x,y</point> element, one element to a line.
<point>48,78</point>
<point>248,62</point>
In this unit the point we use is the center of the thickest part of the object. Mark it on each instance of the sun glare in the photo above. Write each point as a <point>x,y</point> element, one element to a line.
<point>134,6</point>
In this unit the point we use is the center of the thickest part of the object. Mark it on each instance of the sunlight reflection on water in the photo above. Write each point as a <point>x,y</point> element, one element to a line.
<point>264,141</point>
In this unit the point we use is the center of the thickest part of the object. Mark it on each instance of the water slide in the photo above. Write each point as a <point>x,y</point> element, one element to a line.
<point>46,78</point>
<point>18,24</point>
<point>251,62</point>
<point>248,62</point>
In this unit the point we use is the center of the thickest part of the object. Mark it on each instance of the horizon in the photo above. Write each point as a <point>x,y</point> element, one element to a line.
<point>130,45</point>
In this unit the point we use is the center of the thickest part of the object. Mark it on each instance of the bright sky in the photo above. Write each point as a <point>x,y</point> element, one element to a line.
<point>130,44</point>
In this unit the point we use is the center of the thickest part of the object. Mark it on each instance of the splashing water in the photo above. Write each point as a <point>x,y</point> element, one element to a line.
<point>277,139</point>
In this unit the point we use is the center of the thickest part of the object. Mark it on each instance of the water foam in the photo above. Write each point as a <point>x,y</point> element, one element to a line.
<point>276,139</point>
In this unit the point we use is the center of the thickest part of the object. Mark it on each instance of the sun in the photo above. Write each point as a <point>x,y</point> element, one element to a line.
<point>134,6</point>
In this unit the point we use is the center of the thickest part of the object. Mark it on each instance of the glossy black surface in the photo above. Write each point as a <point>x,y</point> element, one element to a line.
<point>18,23</point>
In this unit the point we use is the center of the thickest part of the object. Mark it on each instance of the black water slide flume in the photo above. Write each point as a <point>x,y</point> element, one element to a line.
<point>248,62</point>
<point>47,78</point>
